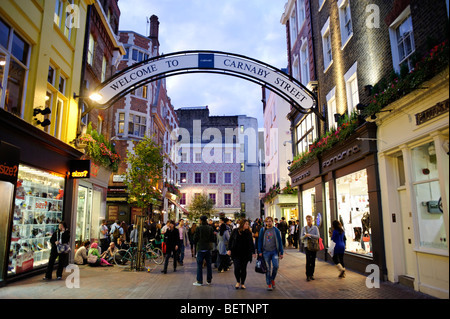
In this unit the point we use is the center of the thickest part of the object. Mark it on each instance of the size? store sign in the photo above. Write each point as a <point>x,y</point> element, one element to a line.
<point>80,169</point>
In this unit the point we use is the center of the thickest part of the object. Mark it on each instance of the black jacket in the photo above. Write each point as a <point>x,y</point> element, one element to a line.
<point>204,237</point>
<point>241,245</point>
<point>172,238</point>
<point>64,238</point>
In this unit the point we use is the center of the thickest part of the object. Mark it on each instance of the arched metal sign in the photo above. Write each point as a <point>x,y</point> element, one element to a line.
<point>186,62</point>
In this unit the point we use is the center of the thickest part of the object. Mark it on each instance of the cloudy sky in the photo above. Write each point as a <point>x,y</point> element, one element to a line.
<point>248,27</point>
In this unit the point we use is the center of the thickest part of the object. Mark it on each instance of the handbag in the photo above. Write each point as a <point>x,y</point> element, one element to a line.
<point>63,248</point>
<point>260,266</point>
<point>92,259</point>
<point>312,243</point>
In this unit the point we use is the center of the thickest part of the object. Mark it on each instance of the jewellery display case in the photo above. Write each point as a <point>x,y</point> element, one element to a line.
<point>38,210</point>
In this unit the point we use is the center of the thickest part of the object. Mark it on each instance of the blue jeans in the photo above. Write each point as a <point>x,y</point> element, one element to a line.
<point>271,258</point>
<point>181,252</point>
<point>204,255</point>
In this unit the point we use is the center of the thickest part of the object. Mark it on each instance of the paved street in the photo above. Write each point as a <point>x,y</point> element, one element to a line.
<point>117,283</point>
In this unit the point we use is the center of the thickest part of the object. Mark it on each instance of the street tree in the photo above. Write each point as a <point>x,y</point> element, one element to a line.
<point>145,173</point>
<point>201,205</point>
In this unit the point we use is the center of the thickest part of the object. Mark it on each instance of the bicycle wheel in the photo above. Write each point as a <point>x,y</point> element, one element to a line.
<point>123,258</point>
<point>156,256</point>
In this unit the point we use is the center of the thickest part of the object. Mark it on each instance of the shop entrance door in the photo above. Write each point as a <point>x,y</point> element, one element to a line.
<point>83,214</point>
<point>408,233</point>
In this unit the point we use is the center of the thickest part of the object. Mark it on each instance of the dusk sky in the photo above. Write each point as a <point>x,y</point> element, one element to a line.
<point>251,28</point>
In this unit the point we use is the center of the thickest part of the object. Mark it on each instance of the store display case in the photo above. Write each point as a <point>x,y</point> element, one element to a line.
<point>38,209</point>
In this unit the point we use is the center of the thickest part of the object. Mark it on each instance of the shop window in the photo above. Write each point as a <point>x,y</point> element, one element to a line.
<point>83,214</point>
<point>430,219</point>
<point>309,203</point>
<point>354,213</point>
<point>38,211</point>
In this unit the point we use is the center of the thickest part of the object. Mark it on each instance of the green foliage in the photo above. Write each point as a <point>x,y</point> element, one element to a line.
<point>201,205</point>
<point>145,174</point>
<point>100,150</point>
<point>399,85</point>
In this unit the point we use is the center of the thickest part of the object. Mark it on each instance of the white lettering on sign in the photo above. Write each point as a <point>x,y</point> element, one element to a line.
<point>275,79</point>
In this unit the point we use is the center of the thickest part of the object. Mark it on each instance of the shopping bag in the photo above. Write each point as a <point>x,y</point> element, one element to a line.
<point>260,266</point>
<point>331,248</point>
<point>321,246</point>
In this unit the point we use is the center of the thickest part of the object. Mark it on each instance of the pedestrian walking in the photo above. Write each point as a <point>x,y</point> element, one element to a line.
<point>184,241</point>
<point>241,250</point>
<point>191,240</point>
<point>172,240</point>
<point>283,228</point>
<point>60,249</point>
<point>309,232</point>
<point>339,239</point>
<point>222,238</point>
<point>204,237</point>
<point>270,247</point>
<point>256,228</point>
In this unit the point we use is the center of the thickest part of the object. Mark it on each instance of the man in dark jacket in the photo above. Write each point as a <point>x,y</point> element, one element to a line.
<point>204,237</point>
<point>172,240</point>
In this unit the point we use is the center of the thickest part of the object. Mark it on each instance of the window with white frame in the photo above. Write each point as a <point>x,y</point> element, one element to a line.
<point>197,178</point>
<point>104,64</point>
<point>305,133</point>
<point>213,178</point>
<point>58,12</point>
<point>121,126</point>
<point>14,52</point>
<point>304,61</point>
<point>138,55</point>
<point>345,20</point>
<point>227,178</point>
<point>137,125</point>
<point>402,41</point>
<point>293,27</point>
<point>213,197</point>
<point>331,108</point>
<point>296,68</point>
<point>326,45</point>
<point>90,53</point>
<point>301,13</point>
<point>227,199</point>
<point>183,177</point>
<point>351,84</point>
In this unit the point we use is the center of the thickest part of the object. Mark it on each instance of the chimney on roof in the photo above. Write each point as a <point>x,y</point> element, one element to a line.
<point>154,29</point>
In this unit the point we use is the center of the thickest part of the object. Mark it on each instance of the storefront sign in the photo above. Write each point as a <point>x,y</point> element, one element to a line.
<point>9,162</point>
<point>80,169</point>
<point>432,112</point>
<point>301,177</point>
<point>343,155</point>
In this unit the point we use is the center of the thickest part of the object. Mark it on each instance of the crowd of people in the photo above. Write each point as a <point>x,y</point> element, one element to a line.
<point>224,243</point>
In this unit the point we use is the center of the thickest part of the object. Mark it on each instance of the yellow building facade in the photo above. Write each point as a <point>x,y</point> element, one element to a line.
<point>41,53</point>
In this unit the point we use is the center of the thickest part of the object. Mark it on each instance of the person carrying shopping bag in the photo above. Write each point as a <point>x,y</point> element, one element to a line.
<point>309,235</point>
<point>270,246</point>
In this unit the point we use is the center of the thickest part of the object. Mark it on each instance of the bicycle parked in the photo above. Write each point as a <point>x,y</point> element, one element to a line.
<point>128,257</point>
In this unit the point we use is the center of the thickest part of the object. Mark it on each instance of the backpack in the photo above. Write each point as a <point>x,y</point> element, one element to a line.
<point>116,233</point>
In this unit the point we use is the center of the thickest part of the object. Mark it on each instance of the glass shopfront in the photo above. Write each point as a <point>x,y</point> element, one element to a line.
<point>309,203</point>
<point>428,200</point>
<point>38,209</point>
<point>353,211</point>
